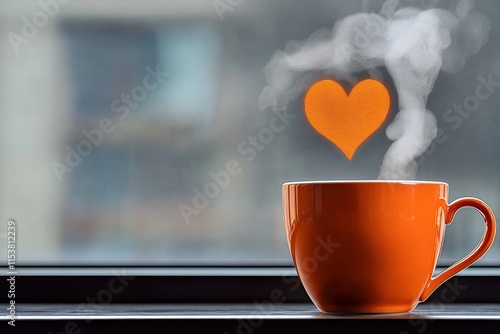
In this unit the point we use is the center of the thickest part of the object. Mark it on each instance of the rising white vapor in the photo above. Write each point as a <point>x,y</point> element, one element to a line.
<point>413,43</point>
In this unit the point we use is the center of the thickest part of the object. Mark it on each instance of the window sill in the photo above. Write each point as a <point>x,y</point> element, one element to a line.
<point>227,300</point>
<point>250,318</point>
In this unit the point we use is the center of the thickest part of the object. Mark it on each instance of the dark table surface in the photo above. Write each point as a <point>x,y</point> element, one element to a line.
<point>247,318</point>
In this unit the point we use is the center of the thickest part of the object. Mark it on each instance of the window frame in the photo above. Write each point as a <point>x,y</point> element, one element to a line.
<point>206,284</point>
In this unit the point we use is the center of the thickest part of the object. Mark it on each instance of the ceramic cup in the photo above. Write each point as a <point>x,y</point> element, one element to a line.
<point>372,246</point>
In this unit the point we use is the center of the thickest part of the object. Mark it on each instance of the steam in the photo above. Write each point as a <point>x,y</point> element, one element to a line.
<point>414,44</point>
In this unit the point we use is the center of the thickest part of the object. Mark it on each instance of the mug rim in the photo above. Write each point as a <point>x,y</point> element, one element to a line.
<point>405,182</point>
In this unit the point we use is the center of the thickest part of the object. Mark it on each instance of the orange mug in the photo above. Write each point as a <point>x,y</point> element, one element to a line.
<point>372,246</point>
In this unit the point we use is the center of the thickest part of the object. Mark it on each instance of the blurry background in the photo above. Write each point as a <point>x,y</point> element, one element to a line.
<point>81,69</point>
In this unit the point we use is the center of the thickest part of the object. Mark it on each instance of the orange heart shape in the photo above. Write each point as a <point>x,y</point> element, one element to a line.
<point>347,120</point>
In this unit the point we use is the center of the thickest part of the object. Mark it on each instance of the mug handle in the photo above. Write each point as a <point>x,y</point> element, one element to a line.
<point>481,248</point>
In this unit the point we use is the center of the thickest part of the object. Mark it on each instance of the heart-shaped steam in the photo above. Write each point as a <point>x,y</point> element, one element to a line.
<point>347,120</point>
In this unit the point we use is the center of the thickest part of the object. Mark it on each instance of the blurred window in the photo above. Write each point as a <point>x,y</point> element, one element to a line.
<point>131,132</point>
